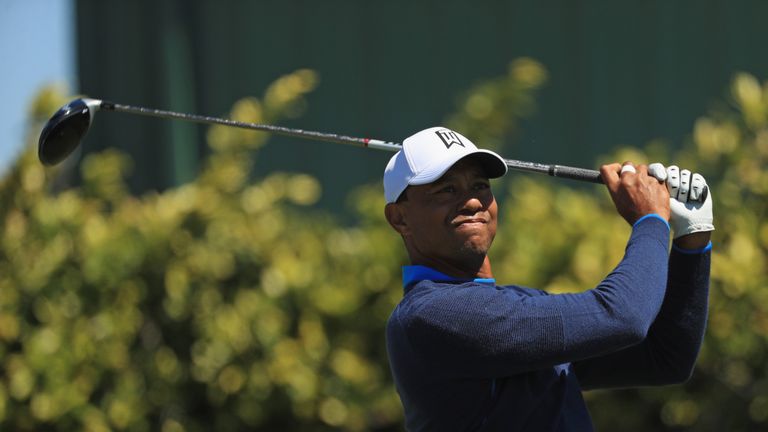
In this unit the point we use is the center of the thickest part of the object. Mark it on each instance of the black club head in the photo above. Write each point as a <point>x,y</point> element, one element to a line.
<point>65,129</point>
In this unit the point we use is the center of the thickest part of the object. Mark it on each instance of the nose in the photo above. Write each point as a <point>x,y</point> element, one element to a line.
<point>471,202</point>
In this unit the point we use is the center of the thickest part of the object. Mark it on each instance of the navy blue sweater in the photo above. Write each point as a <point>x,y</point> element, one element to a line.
<point>469,356</point>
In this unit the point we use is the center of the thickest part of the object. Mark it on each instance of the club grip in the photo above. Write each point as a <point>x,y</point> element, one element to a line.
<point>593,176</point>
<point>574,173</point>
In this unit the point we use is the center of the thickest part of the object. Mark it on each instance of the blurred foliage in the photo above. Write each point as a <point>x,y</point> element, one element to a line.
<point>489,111</point>
<point>228,304</point>
<point>218,305</point>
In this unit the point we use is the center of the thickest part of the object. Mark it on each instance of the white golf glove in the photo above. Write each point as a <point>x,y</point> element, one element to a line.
<point>688,214</point>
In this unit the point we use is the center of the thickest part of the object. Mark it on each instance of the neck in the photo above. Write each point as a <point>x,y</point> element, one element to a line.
<point>474,270</point>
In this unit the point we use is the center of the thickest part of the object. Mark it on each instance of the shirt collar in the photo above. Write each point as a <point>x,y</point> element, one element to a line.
<point>417,273</point>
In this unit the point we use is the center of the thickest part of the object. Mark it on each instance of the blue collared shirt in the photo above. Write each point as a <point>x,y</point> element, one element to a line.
<point>467,357</point>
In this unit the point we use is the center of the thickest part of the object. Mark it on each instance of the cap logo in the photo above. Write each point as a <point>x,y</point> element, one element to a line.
<point>449,138</point>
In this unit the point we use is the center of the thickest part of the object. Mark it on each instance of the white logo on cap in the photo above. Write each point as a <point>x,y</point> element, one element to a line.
<point>449,138</point>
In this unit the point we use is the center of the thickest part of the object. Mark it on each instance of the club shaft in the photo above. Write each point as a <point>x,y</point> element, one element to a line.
<point>560,171</point>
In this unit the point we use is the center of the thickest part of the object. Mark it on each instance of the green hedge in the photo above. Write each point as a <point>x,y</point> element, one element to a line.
<point>229,304</point>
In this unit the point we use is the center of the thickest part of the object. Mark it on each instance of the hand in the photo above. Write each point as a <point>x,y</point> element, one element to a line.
<point>635,193</point>
<point>688,214</point>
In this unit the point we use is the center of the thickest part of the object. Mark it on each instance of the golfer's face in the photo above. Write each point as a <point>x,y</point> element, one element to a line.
<point>454,215</point>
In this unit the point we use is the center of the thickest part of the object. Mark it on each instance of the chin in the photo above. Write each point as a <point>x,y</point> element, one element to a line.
<point>476,248</point>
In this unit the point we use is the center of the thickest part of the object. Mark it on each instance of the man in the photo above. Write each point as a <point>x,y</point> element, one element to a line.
<point>469,355</point>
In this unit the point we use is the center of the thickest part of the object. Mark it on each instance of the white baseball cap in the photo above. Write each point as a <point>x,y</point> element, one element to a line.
<point>428,154</point>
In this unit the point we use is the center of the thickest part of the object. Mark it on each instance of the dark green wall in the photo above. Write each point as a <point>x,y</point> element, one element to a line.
<point>620,72</point>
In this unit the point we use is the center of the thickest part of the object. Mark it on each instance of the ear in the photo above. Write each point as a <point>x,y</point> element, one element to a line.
<point>396,216</point>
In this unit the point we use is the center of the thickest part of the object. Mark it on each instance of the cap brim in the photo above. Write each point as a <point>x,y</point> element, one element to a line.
<point>493,165</point>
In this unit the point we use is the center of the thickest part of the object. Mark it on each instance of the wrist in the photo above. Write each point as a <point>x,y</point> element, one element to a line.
<point>651,216</point>
<point>694,241</point>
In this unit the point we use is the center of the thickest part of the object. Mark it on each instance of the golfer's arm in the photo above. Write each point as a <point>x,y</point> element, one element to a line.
<point>487,332</point>
<point>668,354</point>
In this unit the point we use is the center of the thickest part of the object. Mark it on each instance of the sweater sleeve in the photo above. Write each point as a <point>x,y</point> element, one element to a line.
<point>471,331</point>
<point>668,354</point>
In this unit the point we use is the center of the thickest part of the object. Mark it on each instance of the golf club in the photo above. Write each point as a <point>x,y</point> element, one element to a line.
<point>65,130</point>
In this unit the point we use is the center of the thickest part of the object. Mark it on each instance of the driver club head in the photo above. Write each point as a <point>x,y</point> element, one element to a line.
<point>65,130</point>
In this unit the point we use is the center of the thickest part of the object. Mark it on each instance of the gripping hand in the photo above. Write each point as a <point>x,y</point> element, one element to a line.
<point>689,214</point>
